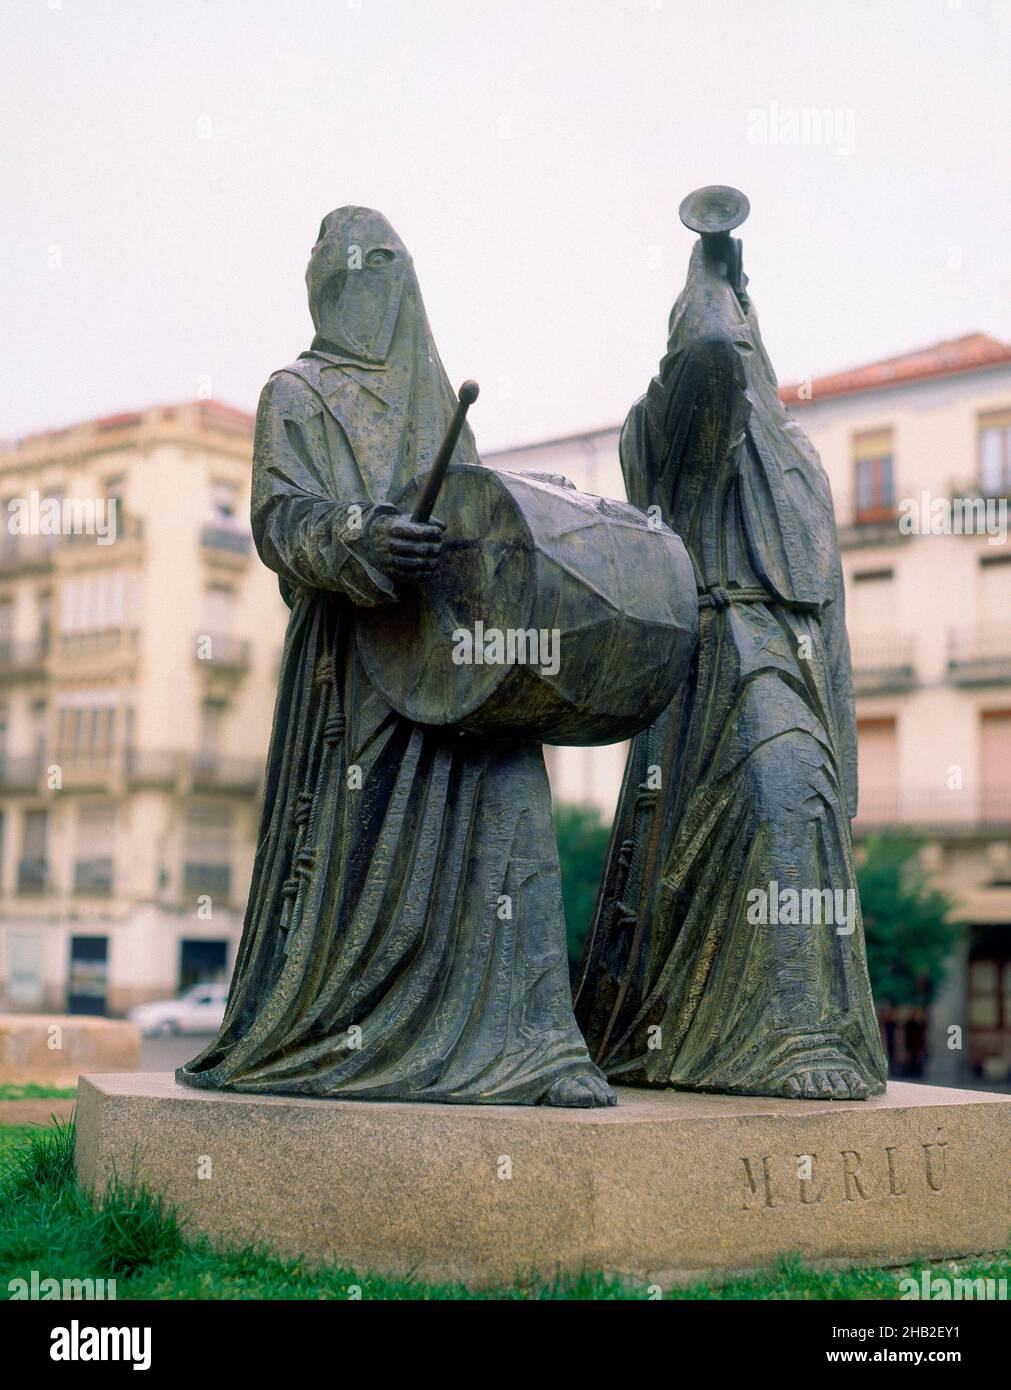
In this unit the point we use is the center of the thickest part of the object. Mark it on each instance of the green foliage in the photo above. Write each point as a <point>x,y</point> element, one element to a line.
<point>48,1224</point>
<point>32,1091</point>
<point>582,847</point>
<point>906,924</point>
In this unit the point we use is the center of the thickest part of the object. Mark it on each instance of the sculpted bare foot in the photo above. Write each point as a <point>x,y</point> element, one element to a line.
<point>824,1083</point>
<point>584,1090</point>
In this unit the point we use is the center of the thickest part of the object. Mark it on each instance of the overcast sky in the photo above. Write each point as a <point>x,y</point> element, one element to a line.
<point>167,163</point>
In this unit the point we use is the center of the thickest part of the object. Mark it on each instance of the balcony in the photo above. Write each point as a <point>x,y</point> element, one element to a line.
<point>199,771</point>
<point>883,663</point>
<point>867,520</point>
<point>22,660</point>
<point>980,655</point>
<point>214,880</point>
<point>933,810</point>
<point>93,878</point>
<point>126,528</point>
<point>21,774</point>
<point>23,553</point>
<point>231,655</point>
<point>210,771</point>
<point>219,536</point>
<point>98,642</point>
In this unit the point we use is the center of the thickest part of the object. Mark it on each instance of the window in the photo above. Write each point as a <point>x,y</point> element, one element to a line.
<point>33,864</point>
<point>40,731</point>
<point>104,602</point>
<point>995,765</point>
<point>878,770</point>
<point>874,478</point>
<point>96,837</point>
<point>45,620</point>
<point>224,504</point>
<point>87,722</point>
<point>212,715</point>
<point>6,629</point>
<point>207,851</point>
<point>219,604</point>
<point>995,454</point>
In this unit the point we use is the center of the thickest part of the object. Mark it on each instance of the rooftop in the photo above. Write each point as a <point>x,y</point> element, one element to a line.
<point>973,352</point>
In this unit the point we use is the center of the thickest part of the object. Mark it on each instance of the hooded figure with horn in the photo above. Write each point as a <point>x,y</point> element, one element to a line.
<point>404,936</point>
<point>700,970</point>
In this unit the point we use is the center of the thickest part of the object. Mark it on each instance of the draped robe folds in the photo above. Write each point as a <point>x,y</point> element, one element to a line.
<point>748,780</point>
<point>404,936</point>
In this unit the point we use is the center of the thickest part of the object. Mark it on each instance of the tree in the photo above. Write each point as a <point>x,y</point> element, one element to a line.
<point>906,924</point>
<point>582,846</point>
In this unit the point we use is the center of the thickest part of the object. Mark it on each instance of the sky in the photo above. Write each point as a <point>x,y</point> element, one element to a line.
<point>166,164</point>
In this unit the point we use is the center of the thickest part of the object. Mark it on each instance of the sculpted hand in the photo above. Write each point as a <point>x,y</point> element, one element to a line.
<point>402,548</point>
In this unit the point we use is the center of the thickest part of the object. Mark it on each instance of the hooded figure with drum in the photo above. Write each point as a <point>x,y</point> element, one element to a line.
<point>404,936</point>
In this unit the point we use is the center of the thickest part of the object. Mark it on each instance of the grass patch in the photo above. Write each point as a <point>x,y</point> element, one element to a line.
<point>134,1236</point>
<point>31,1091</point>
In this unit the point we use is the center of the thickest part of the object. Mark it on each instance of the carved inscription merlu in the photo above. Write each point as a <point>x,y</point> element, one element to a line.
<point>893,1172</point>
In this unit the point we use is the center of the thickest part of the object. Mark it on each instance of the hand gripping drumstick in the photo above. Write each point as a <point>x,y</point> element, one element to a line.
<point>466,396</point>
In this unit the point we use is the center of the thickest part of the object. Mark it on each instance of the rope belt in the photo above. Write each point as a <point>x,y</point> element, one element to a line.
<point>718,597</point>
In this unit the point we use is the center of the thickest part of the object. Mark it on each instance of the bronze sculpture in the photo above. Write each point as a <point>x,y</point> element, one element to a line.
<point>744,788</point>
<point>404,936</point>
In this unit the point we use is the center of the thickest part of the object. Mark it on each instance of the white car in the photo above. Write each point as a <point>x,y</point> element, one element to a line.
<point>198,1009</point>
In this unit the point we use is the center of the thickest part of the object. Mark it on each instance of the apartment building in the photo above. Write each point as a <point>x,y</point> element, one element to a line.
<point>139,644</point>
<point>918,452</point>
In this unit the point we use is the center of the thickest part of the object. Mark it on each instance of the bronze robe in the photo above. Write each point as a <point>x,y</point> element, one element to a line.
<point>404,940</point>
<point>755,759</point>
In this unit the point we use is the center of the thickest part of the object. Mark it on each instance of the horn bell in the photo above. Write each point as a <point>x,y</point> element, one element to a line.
<point>716,208</point>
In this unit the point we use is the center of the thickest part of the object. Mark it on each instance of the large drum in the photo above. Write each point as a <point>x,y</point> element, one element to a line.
<point>551,614</point>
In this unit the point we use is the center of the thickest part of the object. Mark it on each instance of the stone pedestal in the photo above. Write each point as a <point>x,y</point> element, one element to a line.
<point>53,1049</point>
<point>665,1187</point>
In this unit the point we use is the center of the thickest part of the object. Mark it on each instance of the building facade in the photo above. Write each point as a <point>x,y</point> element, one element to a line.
<point>918,452</point>
<point>139,645</point>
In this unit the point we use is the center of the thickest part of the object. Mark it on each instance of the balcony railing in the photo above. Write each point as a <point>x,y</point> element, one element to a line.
<point>232,774</point>
<point>94,877</point>
<point>927,809</point>
<point>213,879</point>
<point>18,659</point>
<point>234,540</point>
<point>875,518</point>
<point>26,551</point>
<point>165,767</point>
<point>99,641</point>
<point>980,655</point>
<point>128,527</point>
<point>883,661</point>
<point>223,653</point>
<point>21,774</point>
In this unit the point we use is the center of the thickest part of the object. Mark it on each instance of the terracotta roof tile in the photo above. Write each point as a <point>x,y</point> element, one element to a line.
<point>966,354</point>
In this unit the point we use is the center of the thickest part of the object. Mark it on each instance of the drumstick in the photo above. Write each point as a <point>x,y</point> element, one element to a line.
<point>466,396</point>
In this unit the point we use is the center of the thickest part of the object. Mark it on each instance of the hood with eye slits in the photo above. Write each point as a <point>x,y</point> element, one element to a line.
<point>373,359</point>
<point>356,279</point>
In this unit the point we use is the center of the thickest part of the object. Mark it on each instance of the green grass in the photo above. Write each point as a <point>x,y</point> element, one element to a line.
<point>48,1224</point>
<point>30,1091</point>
